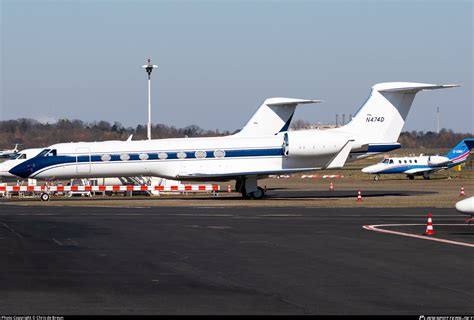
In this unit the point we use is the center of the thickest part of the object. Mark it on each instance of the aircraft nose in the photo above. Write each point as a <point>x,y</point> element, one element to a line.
<point>4,172</point>
<point>367,169</point>
<point>466,205</point>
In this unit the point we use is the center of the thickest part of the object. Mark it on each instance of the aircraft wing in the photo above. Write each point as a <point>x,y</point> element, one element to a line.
<point>239,174</point>
<point>423,170</point>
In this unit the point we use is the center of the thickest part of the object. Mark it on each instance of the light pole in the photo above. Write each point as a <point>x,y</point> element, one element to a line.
<point>149,68</point>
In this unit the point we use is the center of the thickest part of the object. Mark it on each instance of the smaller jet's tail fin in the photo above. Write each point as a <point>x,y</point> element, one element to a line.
<point>461,151</point>
<point>272,117</point>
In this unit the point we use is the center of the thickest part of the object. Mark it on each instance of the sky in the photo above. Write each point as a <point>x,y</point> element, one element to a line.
<point>219,60</point>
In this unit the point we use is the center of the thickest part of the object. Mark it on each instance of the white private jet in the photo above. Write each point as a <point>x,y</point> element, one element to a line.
<point>422,165</point>
<point>263,147</point>
<point>9,153</point>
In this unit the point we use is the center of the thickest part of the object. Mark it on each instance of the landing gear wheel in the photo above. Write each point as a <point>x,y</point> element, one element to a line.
<point>376,177</point>
<point>259,194</point>
<point>44,196</point>
<point>411,177</point>
<point>426,177</point>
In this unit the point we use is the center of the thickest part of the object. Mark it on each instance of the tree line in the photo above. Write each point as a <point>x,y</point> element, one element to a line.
<point>30,133</point>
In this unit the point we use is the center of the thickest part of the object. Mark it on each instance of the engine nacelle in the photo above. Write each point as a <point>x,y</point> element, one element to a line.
<point>313,143</point>
<point>437,160</point>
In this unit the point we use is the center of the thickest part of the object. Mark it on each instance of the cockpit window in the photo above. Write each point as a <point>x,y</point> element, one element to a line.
<point>48,153</point>
<point>385,161</point>
<point>43,153</point>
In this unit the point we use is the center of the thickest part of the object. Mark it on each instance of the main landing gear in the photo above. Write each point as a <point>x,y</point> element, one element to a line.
<point>249,189</point>
<point>44,196</point>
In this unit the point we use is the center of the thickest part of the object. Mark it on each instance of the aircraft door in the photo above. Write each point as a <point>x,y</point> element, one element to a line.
<point>83,160</point>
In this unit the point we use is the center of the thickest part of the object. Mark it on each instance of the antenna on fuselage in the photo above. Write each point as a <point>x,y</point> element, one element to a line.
<point>149,68</point>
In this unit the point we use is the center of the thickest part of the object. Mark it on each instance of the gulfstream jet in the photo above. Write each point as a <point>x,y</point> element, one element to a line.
<point>263,147</point>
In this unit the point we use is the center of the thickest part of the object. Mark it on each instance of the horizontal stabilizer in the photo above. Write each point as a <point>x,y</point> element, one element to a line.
<point>288,101</point>
<point>410,86</point>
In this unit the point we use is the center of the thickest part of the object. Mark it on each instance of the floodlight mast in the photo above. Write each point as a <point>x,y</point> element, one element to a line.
<point>149,68</point>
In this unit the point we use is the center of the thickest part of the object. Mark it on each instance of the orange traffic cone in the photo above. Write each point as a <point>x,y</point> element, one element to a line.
<point>462,194</point>
<point>429,226</point>
<point>359,196</point>
<point>331,187</point>
<point>228,188</point>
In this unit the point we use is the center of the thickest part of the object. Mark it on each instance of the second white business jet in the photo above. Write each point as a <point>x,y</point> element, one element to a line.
<point>263,147</point>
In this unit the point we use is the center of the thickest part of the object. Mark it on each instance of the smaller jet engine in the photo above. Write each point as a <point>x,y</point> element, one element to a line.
<point>437,160</point>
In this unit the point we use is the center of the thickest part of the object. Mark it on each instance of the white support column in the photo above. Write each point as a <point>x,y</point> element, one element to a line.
<point>149,109</point>
<point>149,68</point>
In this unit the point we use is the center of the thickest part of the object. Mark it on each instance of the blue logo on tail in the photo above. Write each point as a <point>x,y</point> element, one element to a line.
<point>461,151</point>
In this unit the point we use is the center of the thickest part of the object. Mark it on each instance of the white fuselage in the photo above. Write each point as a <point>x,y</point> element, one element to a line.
<point>184,158</point>
<point>407,165</point>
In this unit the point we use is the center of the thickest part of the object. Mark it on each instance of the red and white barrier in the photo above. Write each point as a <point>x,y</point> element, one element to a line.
<point>207,187</point>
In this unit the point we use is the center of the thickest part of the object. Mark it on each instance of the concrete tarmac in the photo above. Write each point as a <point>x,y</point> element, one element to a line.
<point>219,260</point>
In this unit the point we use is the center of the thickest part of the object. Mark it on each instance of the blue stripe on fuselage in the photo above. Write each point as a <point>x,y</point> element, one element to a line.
<point>402,169</point>
<point>382,147</point>
<point>33,165</point>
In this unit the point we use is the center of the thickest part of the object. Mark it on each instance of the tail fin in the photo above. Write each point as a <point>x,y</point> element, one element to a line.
<point>273,116</point>
<point>383,115</point>
<point>461,151</point>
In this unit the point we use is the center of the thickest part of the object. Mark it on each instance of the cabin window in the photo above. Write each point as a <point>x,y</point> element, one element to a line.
<point>405,161</point>
<point>181,155</point>
<point>391,161</point>
<point>410,161</point>
<point>416,161</point>
<point>399,161</point>
<point>143,156</point>
<point>219,153</point>
<point>106,157</point>
<point>124,157</point>
<point>162,155</point>
<point>200,154</point>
